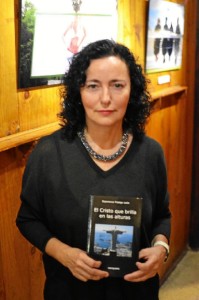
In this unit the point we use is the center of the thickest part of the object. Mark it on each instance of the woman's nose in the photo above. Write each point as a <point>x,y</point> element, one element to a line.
<point>105,96</point>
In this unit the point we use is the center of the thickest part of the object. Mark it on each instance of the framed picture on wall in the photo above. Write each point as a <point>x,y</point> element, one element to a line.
<point>164,36</point>
<point>51,32</point>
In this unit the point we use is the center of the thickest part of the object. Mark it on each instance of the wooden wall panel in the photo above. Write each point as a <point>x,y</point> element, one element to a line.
<point>172,125</point>
<point>8,98</point>
<point>20,262</point>
<point>170,132</point>
<point>131,26</point>
<point>21,272</point>
<point>38,107</point>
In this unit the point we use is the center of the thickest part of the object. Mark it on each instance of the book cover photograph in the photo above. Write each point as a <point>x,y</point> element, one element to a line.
<point>114,232</point>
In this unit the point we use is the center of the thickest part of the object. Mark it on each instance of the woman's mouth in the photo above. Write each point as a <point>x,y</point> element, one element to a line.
<point>105,112</point>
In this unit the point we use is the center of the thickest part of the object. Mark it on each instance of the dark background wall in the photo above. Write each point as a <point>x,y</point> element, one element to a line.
<point>194,226</point>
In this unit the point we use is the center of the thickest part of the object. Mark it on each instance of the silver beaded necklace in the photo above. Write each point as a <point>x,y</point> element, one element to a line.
<point>104,157</point>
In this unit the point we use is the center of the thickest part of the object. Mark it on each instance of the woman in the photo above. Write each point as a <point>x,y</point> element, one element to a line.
<point>100,150</point>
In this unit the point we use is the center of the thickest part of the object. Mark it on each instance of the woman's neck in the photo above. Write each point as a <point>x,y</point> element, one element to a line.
<point>104,138</point>
<point>106,143</point>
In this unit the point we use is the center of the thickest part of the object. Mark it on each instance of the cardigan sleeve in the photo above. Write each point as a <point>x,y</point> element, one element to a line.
<point>31,217</point>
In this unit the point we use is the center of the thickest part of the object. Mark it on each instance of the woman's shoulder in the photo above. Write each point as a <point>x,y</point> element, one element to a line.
<point>151,141</point>
<point>153,146</point>
<point>46,145</point>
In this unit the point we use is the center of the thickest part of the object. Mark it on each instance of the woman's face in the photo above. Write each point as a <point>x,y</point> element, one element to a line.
<point>106,92</point>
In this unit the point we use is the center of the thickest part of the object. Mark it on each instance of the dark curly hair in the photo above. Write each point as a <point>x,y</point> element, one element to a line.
<point>73,114</point>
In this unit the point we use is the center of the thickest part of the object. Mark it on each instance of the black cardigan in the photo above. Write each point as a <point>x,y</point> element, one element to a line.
<point>57,182</point>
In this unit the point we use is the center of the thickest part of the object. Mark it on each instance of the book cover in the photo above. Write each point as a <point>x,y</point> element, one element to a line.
<point>114,232</point>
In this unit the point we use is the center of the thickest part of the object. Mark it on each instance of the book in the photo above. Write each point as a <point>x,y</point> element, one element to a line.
<point>114,232</point>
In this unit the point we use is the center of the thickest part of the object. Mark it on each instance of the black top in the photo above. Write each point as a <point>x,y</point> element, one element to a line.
<point>57,182</point>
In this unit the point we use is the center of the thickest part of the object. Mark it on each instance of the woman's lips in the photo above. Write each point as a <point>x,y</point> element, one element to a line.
<point>105,112</point>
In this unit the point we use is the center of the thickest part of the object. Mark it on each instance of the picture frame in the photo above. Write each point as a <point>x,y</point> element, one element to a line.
<point>51,32</point>
<point>165,31</point>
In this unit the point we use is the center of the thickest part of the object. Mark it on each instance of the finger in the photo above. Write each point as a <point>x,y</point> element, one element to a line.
<point>88,272</point>
<point>139,276</point>
<point>144,253</point>
<point>90,266</point>
<point>96,273</point>
<point>133,276</point>
<point>91,262</point>
<point>142,278</point>
<point>83,274</point>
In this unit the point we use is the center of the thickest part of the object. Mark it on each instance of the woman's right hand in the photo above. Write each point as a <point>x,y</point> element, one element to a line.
<point>82,266</point>
<point>76,260</point>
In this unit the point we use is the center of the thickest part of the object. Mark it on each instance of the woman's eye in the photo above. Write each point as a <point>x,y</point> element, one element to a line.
<point>118,85</point>
<point>92,86</point>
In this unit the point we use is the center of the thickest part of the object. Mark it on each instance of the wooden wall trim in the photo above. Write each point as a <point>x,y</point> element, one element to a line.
<point>27,136</point>
<point>172,90</point>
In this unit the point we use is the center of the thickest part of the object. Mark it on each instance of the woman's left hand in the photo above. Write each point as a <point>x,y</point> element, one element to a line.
<point>153,259</point>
